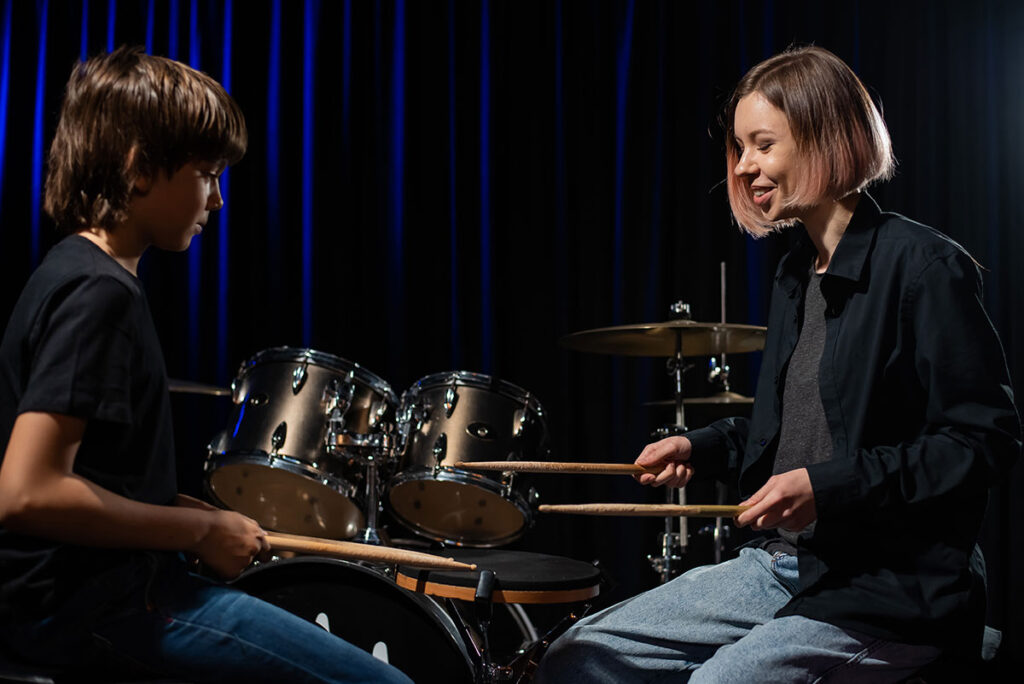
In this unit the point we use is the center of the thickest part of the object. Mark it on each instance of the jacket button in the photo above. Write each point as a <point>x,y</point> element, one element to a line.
<point>763,442</point>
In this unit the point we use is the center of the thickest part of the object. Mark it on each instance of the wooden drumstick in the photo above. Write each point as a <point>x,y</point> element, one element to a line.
<point>562,467</point>
<point>352,551</point>
<point>638,510</point>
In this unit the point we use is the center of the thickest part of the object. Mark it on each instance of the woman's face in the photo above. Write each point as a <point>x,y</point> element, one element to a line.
<point>769,163</point>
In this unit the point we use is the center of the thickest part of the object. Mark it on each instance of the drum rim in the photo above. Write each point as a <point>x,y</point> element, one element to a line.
<point>459,477</point>
<point>480,381</point>
<point>516,590</point>
<point>437,613</point>
<point>322,359</point>
<point>289,464</point>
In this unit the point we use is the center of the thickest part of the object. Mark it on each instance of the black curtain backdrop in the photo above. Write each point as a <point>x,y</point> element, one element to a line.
<point>437,185</point>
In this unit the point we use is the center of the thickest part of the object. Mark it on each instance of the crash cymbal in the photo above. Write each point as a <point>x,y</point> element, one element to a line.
<point>712,400</point>
<point>659,339</point>
<point>189,387</point>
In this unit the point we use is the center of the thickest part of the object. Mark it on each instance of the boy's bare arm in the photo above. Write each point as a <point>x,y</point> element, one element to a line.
<point>192,502</point>
<point>40,495</point>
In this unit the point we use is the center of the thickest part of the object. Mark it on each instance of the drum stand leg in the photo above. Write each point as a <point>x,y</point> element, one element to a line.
<point>484,613</point>
<point>370,534</point>
<point>479,624</point>
<point>524,665</point>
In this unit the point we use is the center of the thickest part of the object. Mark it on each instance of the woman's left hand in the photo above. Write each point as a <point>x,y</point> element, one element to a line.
<point>786,500</point>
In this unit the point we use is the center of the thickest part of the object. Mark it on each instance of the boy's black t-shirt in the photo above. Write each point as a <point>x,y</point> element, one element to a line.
<point>81,342</point>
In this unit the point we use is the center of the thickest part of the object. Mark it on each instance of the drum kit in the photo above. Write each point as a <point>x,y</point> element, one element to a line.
<point>317,447</point>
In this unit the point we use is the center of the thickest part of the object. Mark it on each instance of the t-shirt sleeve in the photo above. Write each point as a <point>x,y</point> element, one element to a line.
<point>80,348</point>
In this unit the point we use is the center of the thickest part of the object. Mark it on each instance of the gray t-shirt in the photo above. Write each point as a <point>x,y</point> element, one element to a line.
<point>804,437</point>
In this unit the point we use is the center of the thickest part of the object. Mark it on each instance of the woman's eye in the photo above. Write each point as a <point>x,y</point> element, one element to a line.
<point>764,147</point>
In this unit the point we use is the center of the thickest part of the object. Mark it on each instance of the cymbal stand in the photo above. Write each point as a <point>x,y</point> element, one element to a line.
<point>720,374</point>
<point>674,544</point>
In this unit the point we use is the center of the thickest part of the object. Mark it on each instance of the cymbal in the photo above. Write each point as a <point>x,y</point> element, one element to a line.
<point>712,400</point>
<point>659,339</point>
<point>189,387</point>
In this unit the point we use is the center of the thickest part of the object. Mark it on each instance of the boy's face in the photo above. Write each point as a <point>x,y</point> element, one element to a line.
<point>168,212</point>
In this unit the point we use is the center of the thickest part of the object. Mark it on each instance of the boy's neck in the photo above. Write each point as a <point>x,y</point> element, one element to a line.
<point>118,244</point>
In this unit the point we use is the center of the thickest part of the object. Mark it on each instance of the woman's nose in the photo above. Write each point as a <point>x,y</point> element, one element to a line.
<point>744,165</point>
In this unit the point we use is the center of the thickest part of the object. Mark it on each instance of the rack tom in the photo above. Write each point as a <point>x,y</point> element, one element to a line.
<point>304,425</point>
<point>462,416</point>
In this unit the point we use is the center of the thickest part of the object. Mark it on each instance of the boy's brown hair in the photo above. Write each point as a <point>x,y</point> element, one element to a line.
<point>128,115</point>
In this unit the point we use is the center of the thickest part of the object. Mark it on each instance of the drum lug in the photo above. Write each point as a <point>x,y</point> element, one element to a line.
<point>451,397</point>
<point>440,451</point>
<point>507,480</point>
<point>337,401</point>
<point>522,417</point>
<point>377,413</point>
<point>279,436</point>
<point>299,376</point>
<point>532,496</point>
<point>519,421</point>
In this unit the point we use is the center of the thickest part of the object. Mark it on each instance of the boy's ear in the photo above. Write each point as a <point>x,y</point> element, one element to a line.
<point>143,184</point>
<point>140,183</point>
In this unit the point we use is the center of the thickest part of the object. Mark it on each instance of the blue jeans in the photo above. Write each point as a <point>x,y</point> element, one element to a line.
<point>716,624</point>
<point>154,616</point>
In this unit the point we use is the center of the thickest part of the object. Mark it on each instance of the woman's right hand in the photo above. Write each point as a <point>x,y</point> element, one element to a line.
<point>672,454</point>
<point>231,543</point>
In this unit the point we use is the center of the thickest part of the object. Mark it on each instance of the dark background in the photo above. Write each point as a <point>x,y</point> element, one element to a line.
<point>438,185</point>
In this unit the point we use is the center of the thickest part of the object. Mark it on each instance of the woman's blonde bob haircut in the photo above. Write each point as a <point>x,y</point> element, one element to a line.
<point>839,133</point>
<point>128,115</point>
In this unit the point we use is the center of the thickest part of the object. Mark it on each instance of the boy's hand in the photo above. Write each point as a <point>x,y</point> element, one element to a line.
<point>673,453</point>
<point>231,543</point>
<point>786,500</point>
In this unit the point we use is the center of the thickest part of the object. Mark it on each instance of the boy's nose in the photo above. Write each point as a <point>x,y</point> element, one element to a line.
<point>214,201</point>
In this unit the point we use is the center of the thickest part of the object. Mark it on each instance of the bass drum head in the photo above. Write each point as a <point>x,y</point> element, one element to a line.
<point>367,610</point>
<point>450,508</point>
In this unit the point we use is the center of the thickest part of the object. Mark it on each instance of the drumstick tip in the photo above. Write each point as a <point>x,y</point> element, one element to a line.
<point>461,565</point>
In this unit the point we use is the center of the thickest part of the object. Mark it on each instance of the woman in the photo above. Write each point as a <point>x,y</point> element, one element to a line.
<point>883,411</point>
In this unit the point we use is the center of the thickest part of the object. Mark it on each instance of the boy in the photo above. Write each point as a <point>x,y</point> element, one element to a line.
<point>91,526</point>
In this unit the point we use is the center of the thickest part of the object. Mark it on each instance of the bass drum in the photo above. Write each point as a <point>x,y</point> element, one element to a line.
<point>368,610</point>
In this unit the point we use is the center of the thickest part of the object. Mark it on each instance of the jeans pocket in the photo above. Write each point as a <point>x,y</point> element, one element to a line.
<point>786,569</point>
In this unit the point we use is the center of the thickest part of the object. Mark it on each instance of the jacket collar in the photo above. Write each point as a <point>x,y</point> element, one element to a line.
<point>851,255</point>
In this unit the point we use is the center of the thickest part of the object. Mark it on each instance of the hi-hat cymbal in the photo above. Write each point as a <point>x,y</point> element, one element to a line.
<point>712,400</point>
<point>659,339</point>
<point>189,387</point>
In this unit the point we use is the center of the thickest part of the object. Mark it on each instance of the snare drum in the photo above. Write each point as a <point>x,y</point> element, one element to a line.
<point>519,577</point>
<point>304,424</point>
<point>461,416</point>
<point>362,606</point>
